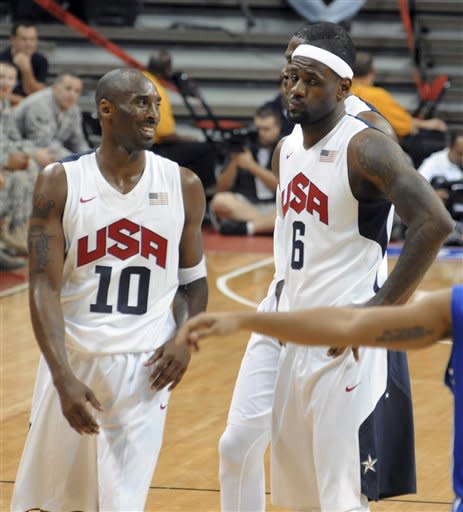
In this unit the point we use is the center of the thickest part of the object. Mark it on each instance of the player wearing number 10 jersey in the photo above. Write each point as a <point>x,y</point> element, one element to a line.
<point>115,240</point>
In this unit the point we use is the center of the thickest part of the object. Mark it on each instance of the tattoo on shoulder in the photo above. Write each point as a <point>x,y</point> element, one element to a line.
<point>42,206</point>
<point>376,162</point>
<point>38,245</point>
<point>407,333</point>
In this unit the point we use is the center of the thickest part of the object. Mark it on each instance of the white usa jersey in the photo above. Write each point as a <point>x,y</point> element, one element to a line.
<point>335,245</point>
<point>122,256</point>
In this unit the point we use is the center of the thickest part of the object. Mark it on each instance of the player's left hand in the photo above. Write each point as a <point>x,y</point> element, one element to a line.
<point>170,363</point>
<point>337,351</point>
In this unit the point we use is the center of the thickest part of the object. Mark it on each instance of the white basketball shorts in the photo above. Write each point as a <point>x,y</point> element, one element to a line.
<point>109,472</point>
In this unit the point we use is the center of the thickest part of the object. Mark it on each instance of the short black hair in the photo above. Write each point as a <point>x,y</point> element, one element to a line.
<point>14,28</point>
<point>115,82</point>
<point>452,136</point>
<point>268,110</point>
<point>160,64</point>
<point>328,36</point>
<point>363,64</point>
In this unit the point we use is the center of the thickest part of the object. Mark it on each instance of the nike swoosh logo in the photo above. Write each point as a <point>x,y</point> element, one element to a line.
<point>82,200</point>
<point>163,406</point>
<point>287,156</point>
<point>349,389</point>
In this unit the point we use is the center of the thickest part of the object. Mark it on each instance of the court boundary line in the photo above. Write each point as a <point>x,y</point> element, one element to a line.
<point>199,489</point>
<point>14,289</point>
<point>222,286</point>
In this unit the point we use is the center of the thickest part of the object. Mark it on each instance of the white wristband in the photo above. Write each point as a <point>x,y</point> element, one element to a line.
<point>190,274</point>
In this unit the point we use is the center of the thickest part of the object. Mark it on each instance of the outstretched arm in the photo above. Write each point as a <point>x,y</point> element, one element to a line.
<point>46,258</point>
<point>191,298</point>
<point>410,326</point>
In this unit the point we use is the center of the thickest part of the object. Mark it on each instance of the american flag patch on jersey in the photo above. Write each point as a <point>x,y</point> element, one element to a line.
<point>158,198</point>
<point>327,155</point>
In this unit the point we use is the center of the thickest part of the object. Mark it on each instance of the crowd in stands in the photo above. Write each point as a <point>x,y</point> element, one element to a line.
<point>42,122</point>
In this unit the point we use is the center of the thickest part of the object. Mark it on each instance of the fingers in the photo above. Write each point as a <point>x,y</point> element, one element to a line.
<point>93,400</point>
<point>162,373</point>
<point>82,421</point>
<point>155,357</point>
<point>335,351</point>
<point>177,377</point>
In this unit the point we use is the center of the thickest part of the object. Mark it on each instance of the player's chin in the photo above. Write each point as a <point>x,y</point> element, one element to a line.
<point>144,143</point>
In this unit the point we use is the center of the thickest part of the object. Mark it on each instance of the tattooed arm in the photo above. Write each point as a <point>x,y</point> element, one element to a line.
<point>46,259</point>
<point>378,170</point>
<point>404,327</point>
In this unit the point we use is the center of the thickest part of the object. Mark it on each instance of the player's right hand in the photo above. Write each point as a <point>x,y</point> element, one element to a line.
<point>205,325</point>
<point>74,396</point>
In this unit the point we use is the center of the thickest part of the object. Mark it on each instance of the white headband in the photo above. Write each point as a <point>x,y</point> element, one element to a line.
<point>339,66</point>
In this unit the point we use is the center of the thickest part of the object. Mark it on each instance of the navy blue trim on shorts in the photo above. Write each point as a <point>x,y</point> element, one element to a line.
<point>386,437</point>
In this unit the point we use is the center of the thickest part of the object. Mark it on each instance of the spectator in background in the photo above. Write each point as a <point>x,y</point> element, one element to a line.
<point>52,119</point>
<point>17,177</point>
<point>334,11</point>
<point>444,170</point>
<point>188,151</point>
<point>279,103</point>
<point>245,198</point>
<point>32,66</point>
<point>418,137</point>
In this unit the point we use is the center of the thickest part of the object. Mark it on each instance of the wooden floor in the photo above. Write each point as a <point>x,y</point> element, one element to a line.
<point>186,476</point>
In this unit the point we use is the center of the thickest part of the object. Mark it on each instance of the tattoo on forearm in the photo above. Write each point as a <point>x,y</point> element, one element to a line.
<point>42,206</point>
<point>407,333</point>
<point>38,242</point>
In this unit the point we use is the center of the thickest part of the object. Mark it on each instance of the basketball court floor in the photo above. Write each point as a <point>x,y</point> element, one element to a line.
<point>239,271</point>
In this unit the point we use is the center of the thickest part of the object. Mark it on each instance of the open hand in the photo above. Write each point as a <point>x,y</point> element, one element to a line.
<point>170,363</point>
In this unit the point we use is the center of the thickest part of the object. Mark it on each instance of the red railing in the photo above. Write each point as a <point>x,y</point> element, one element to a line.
<point>428,92</point>
<point>94,36</point>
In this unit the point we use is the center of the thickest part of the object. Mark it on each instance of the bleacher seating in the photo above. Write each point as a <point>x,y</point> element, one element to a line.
<point>236,63</point>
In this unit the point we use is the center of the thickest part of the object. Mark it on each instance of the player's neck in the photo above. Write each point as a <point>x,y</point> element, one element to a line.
<point>314,132</point>
<point>120,163</point>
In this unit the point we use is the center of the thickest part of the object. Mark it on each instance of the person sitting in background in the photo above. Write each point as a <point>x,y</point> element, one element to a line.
<point>32,66</point>
<point>418,137</point>
<point>245,199</point>
<point>20,161</point>
<point>188,151</point>
<point>444,170</point>
<point>52,119</point>
<point>334,11</point>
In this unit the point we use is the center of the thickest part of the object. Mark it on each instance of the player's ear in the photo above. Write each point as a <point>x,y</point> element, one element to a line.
<point>105,109</point>
<point>344,86</point>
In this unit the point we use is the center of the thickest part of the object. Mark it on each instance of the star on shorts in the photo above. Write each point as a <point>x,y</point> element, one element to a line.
<point>369,464</point>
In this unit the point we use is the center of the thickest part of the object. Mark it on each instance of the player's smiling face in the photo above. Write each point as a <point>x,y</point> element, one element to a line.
<point>312,90</point>
<point>137,116</point>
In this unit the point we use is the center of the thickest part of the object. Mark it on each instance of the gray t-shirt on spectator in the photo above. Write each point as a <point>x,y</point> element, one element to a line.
<point>39,119</point>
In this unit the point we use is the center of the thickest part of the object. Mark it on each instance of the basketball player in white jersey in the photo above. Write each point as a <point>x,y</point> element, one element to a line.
<point>333,416</point>
<point>247,435</point>
<point>115,239</point>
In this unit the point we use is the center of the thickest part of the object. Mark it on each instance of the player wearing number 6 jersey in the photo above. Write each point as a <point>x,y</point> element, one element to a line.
<point>338,434</point>
<point>115,239</point>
